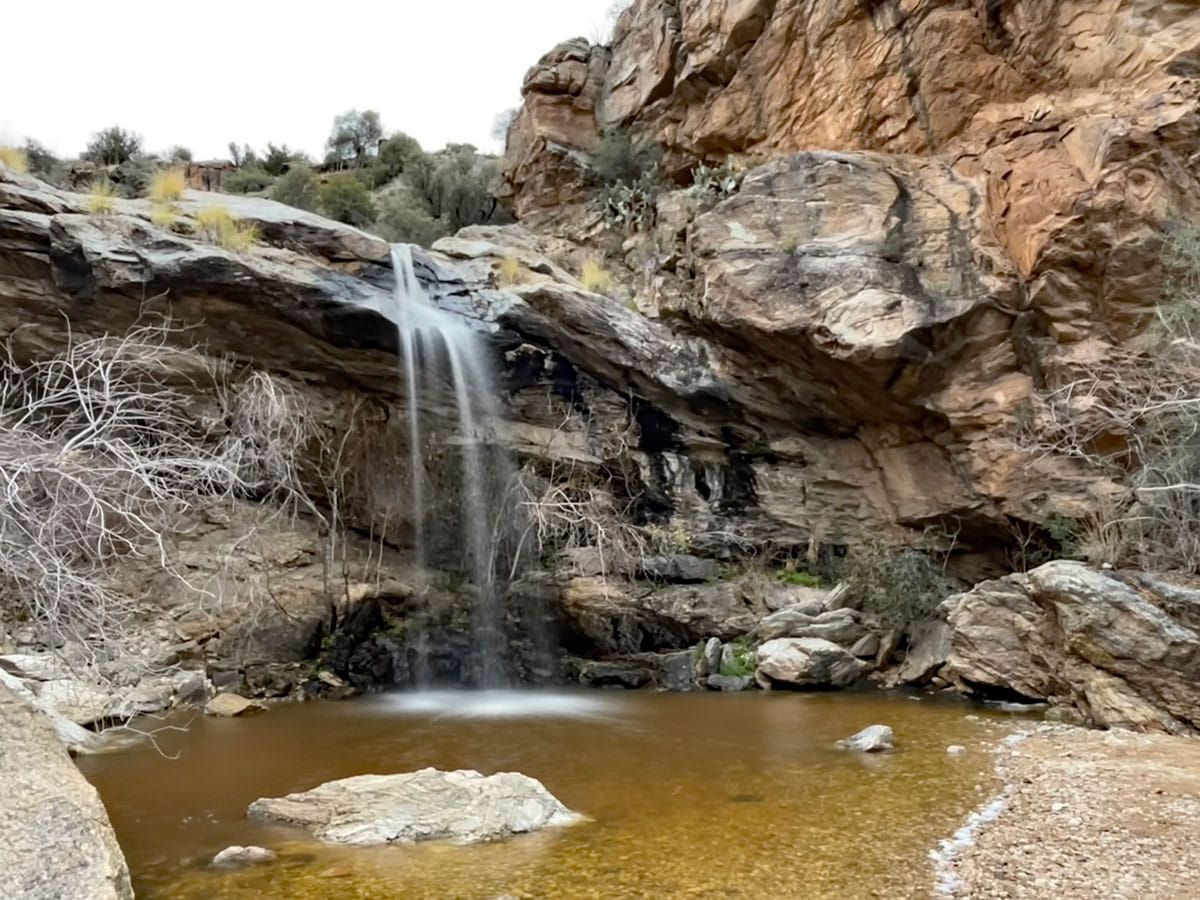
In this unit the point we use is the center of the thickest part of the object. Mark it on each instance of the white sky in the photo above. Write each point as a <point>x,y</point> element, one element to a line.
<point>203,74</point>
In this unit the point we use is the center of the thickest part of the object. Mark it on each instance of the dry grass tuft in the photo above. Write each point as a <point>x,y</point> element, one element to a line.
<point>15,159</point>
<point>216,225</point>
<point>509,271</point>
<point>596,278</point>
<point>164,215</point>
<point>102,198</point>
<point>167,186</point>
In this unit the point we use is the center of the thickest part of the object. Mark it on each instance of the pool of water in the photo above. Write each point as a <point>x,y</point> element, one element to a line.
<point>687,795</point>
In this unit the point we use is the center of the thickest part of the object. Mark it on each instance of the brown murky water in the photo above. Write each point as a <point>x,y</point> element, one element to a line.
<point>689,795</point>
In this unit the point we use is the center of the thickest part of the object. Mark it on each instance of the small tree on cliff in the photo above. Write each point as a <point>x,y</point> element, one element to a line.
<point>355,136</point>
<point>113,146</point>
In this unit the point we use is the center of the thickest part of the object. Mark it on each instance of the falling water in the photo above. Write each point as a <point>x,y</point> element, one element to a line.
<point>435,344</point>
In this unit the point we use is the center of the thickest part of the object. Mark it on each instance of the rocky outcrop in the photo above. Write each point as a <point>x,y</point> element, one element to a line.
<point>464,807</point>
<point>55,838</point>
<point>1122,650</point>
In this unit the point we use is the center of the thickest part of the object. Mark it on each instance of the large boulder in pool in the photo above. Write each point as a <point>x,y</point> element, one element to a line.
<point>806,663</point>
<point>430,805</point>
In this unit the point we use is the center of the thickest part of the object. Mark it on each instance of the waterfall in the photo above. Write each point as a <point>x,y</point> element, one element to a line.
<point>436,347</point>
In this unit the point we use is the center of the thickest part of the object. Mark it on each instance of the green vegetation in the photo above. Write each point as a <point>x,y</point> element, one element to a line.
<point>247,180</point>
<point>716,182</point>
<point>628,178</point>
<point>619,158</point>
<point>345,198</point>
<point>797,578</point>
<point>744,659</point>
<point>113,146</point>
<point>355,137</point>
<point>43,163</point>
<point>298,187</point>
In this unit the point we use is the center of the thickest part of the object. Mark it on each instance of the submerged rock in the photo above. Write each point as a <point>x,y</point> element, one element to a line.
<point>243,856</point>
<point>730,683</point>
<point>232,705</point>
<point>806,663</point>
<point>429,805</point>
<point>55,837</point>
<point>872,739</point>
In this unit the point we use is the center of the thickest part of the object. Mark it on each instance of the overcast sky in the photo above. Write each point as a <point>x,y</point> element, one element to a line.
<point>203,74</point>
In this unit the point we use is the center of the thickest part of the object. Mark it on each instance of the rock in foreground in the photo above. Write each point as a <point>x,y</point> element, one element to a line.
<point>429,805</point>
<point>806,663</point>
<point>872,739</point>
<point>55,838</point>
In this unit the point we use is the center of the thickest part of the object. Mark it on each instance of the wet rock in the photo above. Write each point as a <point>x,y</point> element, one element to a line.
<point>629,675</point>
<point>55,837</point>
<point>872,739</point>
<point>730,683</point>
<point>229,705</point>
<point>676,671</point>
<point>956,749</point>
<point>243,856</point>
<point>429,805</point>
<point>806,663</point>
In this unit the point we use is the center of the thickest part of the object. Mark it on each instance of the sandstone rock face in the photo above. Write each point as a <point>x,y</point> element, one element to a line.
<point>464,807</point>
<point>806,663</point>
<point>55,838</point>
<point>1122,650</point>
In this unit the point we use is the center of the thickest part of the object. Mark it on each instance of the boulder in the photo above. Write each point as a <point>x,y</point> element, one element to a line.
<point>616,674</point>
<point>429,805</point>
<point>1122,650</point>
<point>712,656</point>
<point>55,837</point>
<point>229,705</point>
<point>806,663</point>
<point>872,739</point>
<point>866,647</point>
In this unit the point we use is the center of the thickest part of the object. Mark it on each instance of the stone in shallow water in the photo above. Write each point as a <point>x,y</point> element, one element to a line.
<point>730,683</point>
<point>429,805</point>
<point>232,705</point>
<point>243,856</point>
<point>872,739</point>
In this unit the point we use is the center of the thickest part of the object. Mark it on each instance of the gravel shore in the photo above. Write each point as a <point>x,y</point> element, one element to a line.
<point>1084,815</point>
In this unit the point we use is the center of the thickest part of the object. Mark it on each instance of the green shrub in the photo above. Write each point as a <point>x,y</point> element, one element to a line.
<point>619,158</point>
<point>716,182</point>
<point>403,218</point>
<point>346,198</point>
<point>744,660</point>
<point>797,578</point>
<point>455,186</point>
<point>897,585</point>
<point>249,180</point>
<point>628,205</point>
<point>297,187</point>
<point>398,154</point>
<point>43,163</point>
<point>113,146</point>
<point>279,159</point>
<point>179,153</point>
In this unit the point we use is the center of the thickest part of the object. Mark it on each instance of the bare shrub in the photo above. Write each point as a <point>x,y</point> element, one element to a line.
<point>1132,414</point>
<point>102,453</point>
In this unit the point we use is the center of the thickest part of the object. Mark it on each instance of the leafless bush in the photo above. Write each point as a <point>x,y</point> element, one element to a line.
<point>1132,413</point>
<point>102,452</point>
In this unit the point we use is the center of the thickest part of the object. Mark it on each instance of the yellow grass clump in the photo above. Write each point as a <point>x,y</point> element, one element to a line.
<point>509,270</point>
<point>596,278</point>
<point>167,186</point>
<point>216,225</point>
<point>102,198</point>
<point>14,158</point>
<point>164,215</point>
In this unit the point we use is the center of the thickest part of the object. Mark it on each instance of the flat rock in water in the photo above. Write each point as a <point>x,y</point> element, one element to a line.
<point>730,683</point>
<point>872,739</point>
<point>429,805</point>
<point>232,705</point>
<point>243,856</point>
